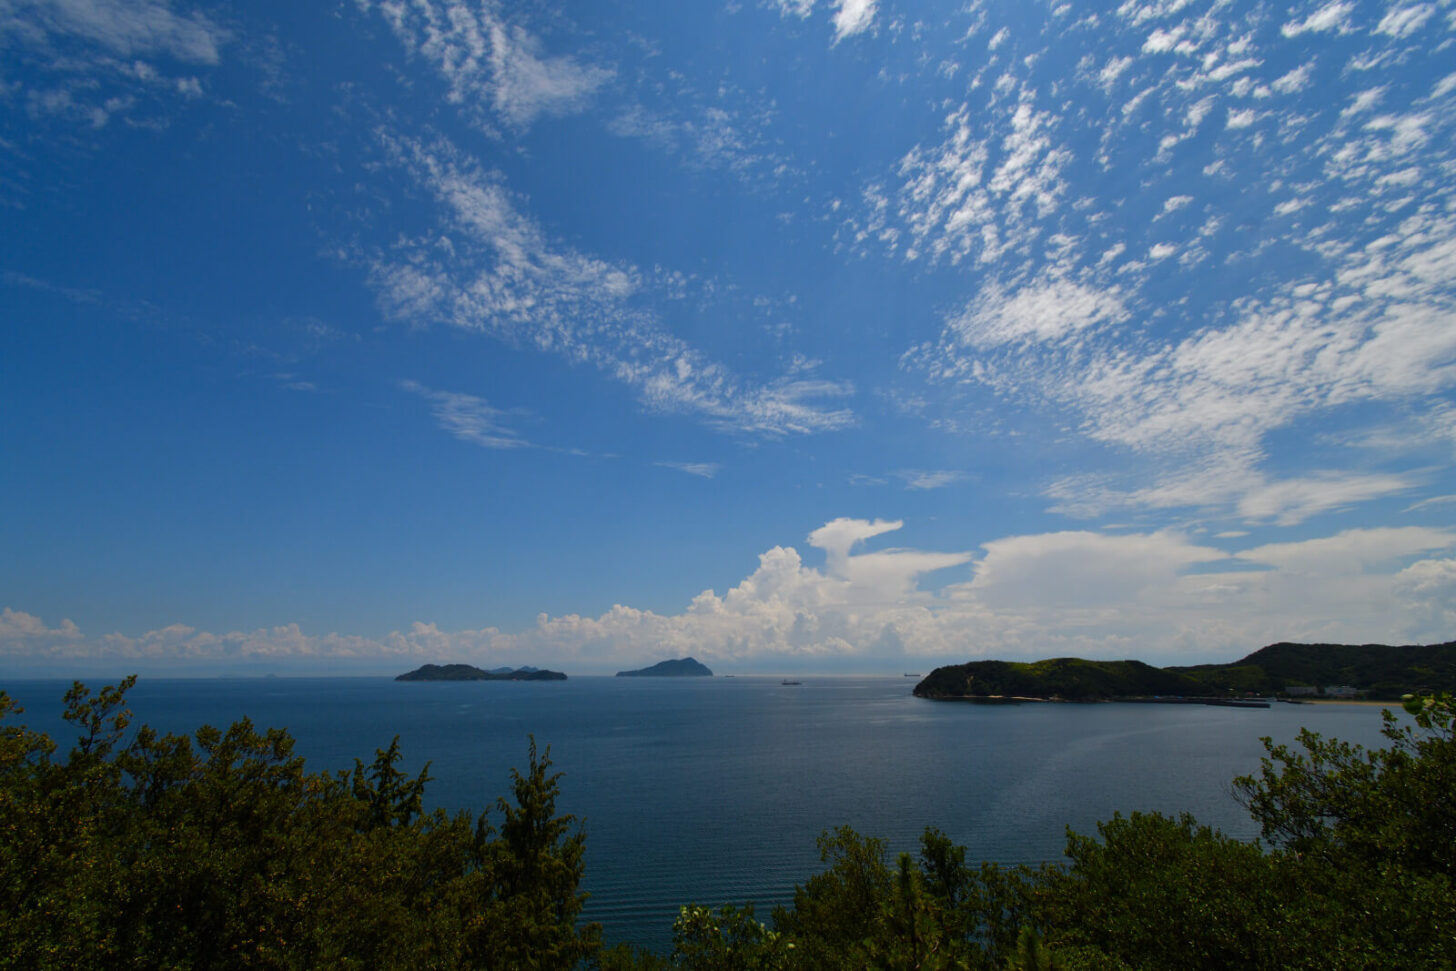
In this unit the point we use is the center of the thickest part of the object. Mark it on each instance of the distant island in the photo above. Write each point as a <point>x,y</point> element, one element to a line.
<point>469,672</point>
<point>1374,671</point>
<point>684,668</point>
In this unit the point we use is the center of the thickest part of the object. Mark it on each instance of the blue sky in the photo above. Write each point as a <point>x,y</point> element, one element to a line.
<point>812,335</point>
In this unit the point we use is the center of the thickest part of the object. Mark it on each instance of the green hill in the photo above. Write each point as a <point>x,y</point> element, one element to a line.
<point>682,668</point>
<point>1069,678</point>
<point>469,672</point>
<point>1383,672</point>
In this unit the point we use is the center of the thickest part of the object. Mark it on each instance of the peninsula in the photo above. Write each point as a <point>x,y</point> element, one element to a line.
<point>683,668</point>
<point>468,672</point>
<point>1375,671</point>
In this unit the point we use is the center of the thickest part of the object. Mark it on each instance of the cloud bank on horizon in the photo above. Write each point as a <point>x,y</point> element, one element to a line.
<point>1068,593</point>
<point>470,328</point>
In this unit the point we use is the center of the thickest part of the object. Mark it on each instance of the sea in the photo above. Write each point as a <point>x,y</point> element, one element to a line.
<point>713,790</point>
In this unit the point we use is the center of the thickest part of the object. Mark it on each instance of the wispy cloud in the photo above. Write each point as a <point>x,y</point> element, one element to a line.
<point>89,61</point>
<point>703,470</point>
<point>724,132</point>
<point>487,60</point>
<point>128,28</point>
<point>469,418</point>
<point>1433,501</point>
<point>929,479</point>
<point>495,271</point>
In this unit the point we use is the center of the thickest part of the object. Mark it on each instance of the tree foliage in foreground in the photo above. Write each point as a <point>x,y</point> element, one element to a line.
<point>220,851</point>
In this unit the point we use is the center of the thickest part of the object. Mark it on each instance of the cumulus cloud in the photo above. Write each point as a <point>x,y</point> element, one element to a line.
<point>852,17</point>
<point>22,633</point>
<point>1158,595</point>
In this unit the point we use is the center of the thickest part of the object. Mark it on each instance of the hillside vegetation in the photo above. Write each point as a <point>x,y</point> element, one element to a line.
<point>1383,672</point>
<point>220,850</point>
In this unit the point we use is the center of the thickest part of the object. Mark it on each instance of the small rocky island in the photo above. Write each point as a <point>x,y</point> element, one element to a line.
<point>683,668</point>
<point>469,672</point>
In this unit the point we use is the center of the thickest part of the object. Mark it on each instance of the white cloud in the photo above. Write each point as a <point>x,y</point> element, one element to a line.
<point>1048,310</point>
<point>469,418</point>
<point>1113,70</point>
<point>90,62</point>
<point>1404,21</point>
<point>491,269</point>
<point>1353,551</point>
<point>1331,16</point>
<point>706,135</point>
<point>1156,596</point>
<point>852,17</point>
<point>487,60</point>
<point>1295,80</point>
<point>1291,501</point>
<point>703,470</point>
<point>979,194</point>
<point>794,8</point>
<point>22,633</point>
<point>929,479</point>
<point>1433,501</point>
<point>129,28</point>
<point>1081,570</point>
<point>837,537</point>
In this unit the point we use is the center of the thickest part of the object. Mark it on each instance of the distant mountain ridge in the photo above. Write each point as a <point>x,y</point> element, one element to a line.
<point>469,672</point>
<point>1382,671</point>
<point>682,668</point>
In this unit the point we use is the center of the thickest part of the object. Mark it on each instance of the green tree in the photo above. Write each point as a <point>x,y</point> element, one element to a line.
<point>528,918</point>
<point>1388,807</point>
<point>222,851</point>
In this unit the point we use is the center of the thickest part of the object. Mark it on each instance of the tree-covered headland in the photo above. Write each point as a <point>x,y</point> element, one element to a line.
<point>220,850</point>
<point>1378,671</point>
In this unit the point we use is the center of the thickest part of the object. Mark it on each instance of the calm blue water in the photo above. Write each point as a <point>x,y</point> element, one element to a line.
<point>713,790</point>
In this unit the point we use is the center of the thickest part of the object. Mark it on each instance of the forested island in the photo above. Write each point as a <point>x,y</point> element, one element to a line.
<point>468,672</point>
<point>221,849</point>
<point>1374,671</point>
<point>682,668</point>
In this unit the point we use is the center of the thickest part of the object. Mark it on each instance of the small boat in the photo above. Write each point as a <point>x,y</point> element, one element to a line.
<point>791,682</point>
<point>909,675</point>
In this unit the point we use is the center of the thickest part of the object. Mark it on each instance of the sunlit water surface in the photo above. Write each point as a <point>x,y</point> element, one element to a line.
<point>712,790</point>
